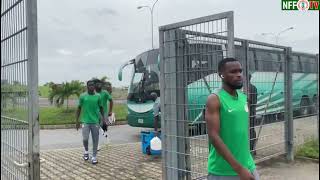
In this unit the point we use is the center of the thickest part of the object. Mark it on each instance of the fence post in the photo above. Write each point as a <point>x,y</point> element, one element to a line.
<point>162,103</point>
<point>317,105</point>
<point>33,116</point>
<point>230,34</point>
<point>246,72</point>
<point>288,105</point>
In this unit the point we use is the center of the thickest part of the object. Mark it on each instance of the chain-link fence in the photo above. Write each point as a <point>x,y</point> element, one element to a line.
<point>189,55</point>
<point>305,88</point>
<point>277,82</point>
<point>19,84</point>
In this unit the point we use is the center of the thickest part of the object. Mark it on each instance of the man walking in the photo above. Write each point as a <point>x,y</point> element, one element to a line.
<point>106,99</point>
<point>156,111</point>
<point>89,102</point>
<point>227,117</point>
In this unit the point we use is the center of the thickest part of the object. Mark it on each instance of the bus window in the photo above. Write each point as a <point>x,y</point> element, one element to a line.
<point>267,61</point>
<point>281,62</point>
<point>308,64</point>
<point>252,62</point>
<point>152,57</point>
<point>239,54</point>
<point>296,64</point>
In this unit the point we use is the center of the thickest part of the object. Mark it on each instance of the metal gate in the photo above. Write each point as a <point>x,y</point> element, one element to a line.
<point>189,52</point>
<point>19,90</point>
<point>283,115</point>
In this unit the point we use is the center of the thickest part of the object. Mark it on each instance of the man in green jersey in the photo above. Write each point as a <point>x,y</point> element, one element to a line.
<point>106,99</point>
<point>89,102</point>
<point>227,117</point>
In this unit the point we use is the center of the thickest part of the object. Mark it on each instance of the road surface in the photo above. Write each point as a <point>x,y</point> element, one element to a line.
<point>71,138</point>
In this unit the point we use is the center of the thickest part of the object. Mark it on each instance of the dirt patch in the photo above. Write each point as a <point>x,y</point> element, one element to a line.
<point>280,169</point>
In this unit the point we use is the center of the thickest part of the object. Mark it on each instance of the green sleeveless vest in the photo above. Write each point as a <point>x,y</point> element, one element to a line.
<point>234,132</point>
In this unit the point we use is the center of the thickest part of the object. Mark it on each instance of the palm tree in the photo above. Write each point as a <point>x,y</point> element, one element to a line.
<point>104,78</point>
<point>60,92</point>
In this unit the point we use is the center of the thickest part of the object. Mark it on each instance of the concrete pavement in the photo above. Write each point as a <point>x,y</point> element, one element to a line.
<point>71,138</point>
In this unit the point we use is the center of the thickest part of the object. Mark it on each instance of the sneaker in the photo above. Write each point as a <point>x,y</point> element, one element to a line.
<point>86,156</point>
<point>94,160</point>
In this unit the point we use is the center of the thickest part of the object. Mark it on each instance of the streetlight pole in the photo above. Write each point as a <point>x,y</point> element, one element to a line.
<point>278,35</point>
<point>151,11</point>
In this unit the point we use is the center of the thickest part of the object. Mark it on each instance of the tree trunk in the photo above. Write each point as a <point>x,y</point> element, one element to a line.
<point>67,103</point>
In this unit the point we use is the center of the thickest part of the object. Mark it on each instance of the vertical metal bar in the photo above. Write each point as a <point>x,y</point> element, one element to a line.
<point>33,120</point>
<point>245,49</point>
<point>162,103</point>
<point>288,105</point>
<point>230,34</point>
<point>317,101</point>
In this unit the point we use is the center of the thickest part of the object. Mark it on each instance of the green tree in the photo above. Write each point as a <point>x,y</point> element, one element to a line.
<point>11,92</point>
<point>105,81</point>
<point>60,92</point>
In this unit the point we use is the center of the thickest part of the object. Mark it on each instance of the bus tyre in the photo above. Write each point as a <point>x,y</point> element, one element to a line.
<point>304,106</point>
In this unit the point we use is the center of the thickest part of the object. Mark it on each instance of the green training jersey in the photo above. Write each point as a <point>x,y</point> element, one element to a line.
<point>234,130</point>
<point>89,105</point>
<point>105,98</point>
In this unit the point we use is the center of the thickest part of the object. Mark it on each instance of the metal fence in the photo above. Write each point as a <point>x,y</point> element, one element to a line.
<point>283,114</point>
<point>189,55</point>
<point>19,84</point>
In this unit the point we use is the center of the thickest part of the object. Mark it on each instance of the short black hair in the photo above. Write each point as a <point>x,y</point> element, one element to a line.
<point>90,81</point>
<point>96,80</point>
<point>223,62</point>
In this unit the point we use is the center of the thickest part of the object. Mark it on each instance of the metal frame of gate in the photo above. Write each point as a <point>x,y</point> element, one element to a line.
<point>177,158</point>
<point>182,45</point>
<point>19,90</point>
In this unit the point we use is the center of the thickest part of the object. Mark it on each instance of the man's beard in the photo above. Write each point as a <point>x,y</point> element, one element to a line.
<point>235,86</point>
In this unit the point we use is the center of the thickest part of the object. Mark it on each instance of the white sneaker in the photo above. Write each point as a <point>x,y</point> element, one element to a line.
<point>94,160</point>
<point>86,156</point>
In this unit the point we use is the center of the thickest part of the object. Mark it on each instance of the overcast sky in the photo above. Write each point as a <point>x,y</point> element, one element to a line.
<point>81,39</point>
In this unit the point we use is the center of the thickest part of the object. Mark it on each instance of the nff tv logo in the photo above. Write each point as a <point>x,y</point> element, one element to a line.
<point>302,5</point>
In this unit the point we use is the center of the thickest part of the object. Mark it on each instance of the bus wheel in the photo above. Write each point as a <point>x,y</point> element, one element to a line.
<point>304,106</point>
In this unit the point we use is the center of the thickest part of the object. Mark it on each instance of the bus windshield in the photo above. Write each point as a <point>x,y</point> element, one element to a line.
<point>145,79</point>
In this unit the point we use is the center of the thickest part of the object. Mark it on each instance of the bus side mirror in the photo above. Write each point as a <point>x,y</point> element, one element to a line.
<point>132,61</point>
<point>120,75</point>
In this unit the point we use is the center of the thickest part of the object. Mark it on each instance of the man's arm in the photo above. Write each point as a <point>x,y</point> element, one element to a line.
<point>156,121</point>
<point>77,117</point>
<point>78,112</point>
<point>101,109</point>
<point>102,112</point>
<point>111,107</point>
<point>109,99</point>
<point>212,116</point>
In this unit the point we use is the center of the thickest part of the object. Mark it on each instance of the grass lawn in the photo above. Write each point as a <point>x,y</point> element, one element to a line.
<point>117,93</point>
<point>56,116</point>
<point>44,91</point>
<point>309,149</point>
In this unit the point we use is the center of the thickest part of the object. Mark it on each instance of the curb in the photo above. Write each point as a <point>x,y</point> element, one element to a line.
<point>308,159</point>
<point>71,126</point>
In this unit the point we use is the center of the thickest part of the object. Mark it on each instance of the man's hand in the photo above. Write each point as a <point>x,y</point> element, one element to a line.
<point>77,125</point>
<point>105,121</point>
<point>244,174</point>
